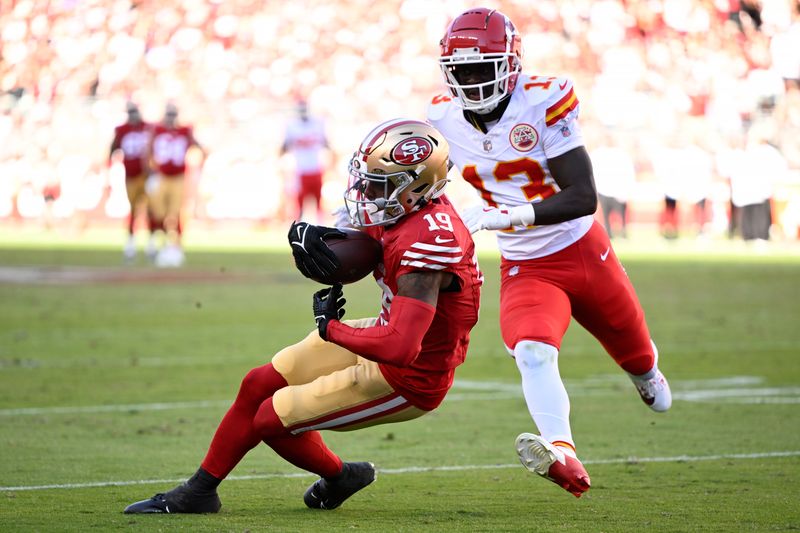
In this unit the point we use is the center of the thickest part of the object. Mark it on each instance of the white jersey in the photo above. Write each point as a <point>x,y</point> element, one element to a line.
<point>306,139</point>
<point>508,165</point>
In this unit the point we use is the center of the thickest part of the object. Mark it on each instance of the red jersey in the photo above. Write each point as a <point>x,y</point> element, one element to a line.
<point>132,139</point>
<point>170,145</point>
<point>431,239</point>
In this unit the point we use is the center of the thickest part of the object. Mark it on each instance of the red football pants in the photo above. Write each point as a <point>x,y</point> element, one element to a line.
<point>585,281</point>
<point>310,186</point>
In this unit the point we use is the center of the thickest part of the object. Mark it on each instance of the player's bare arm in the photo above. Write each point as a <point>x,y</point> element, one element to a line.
<point>114,147</point>
<point>578,195</point>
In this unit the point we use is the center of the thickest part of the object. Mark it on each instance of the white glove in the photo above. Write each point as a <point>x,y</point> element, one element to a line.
<point>479,217</point>
<point>501,217</point>
<point>341,217</point>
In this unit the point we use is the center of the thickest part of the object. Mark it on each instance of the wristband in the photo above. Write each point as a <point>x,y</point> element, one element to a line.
<point>522,215</point>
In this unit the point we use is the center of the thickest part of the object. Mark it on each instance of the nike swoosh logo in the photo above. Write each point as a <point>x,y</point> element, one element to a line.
<point>562,85</point>
<point>439,240</point>
<point>604,255</point>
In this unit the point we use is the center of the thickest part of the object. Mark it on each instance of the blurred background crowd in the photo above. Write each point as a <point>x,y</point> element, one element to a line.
<point>690,108</point>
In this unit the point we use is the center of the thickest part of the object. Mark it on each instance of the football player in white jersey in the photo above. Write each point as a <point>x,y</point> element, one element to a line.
<point>305,138</point>
<point>516,140</point>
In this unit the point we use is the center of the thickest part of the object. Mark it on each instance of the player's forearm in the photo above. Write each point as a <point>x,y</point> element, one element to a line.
<point>397,343</point>
<point>568,204</point>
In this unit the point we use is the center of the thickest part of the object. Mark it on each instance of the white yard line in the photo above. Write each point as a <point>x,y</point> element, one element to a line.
<point>135,407</point>
<point>735,389</point>
<point>114,408</point>
<point>419,469</point>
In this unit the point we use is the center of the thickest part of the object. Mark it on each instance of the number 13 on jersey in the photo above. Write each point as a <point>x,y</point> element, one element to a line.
<point>534,189</point>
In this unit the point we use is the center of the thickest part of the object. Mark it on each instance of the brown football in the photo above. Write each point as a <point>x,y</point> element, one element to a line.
<point>358,254</point>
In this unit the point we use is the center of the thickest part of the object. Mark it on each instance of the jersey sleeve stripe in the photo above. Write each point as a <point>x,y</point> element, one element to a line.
<point>439,258</point>
<point>561,108</point>
<point>435,248</point>
<point>563,100</point>
<point>422,265</point>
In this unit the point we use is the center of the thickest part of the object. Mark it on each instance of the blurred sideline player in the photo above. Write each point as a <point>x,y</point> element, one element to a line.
<point>349,375</point>
<point>305,139</point>
<point>516,140</point>
<point>168,149</point>
<point>133,138</point>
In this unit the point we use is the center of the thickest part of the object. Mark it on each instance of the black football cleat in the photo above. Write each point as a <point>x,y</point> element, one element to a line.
<point>181,499</point>
<point>330,493</point>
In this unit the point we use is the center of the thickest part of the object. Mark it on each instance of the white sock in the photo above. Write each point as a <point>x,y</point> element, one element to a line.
<point>544,391</point>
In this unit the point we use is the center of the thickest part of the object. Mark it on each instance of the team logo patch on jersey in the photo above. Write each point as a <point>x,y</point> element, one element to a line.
<point>523,137</point>
<point>412,151</point>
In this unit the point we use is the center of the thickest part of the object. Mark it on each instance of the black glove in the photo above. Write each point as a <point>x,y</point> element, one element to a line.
<point>328,305</point>
<point>312,257</point>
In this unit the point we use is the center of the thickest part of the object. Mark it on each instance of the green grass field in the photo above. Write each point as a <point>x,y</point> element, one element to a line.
<point>112,381</point>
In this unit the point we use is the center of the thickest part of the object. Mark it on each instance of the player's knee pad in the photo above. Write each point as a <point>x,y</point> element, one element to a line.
<point>534,356</point>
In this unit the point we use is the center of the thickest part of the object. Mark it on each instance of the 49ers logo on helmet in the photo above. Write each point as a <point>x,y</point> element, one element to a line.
<point>412,151</point>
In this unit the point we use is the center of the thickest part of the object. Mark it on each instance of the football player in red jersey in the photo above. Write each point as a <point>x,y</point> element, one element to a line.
<point>347,375</point>
<point>168,148</point>
<point>132,139</point>
<point>516,140</point>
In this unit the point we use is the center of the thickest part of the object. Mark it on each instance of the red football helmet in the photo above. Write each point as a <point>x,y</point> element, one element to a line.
<point>481,58</point>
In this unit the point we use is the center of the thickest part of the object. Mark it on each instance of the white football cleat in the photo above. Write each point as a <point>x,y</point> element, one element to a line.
<point>541,457</point>
<point>655,391</point>
<point>170,256</point>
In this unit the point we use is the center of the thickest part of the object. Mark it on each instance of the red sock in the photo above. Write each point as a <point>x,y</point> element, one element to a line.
<point>235,435</point>
<point>154,224</point>
<point>306,450</point>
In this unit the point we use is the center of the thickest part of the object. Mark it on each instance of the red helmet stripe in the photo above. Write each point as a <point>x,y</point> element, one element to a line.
<point>379,131</point>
